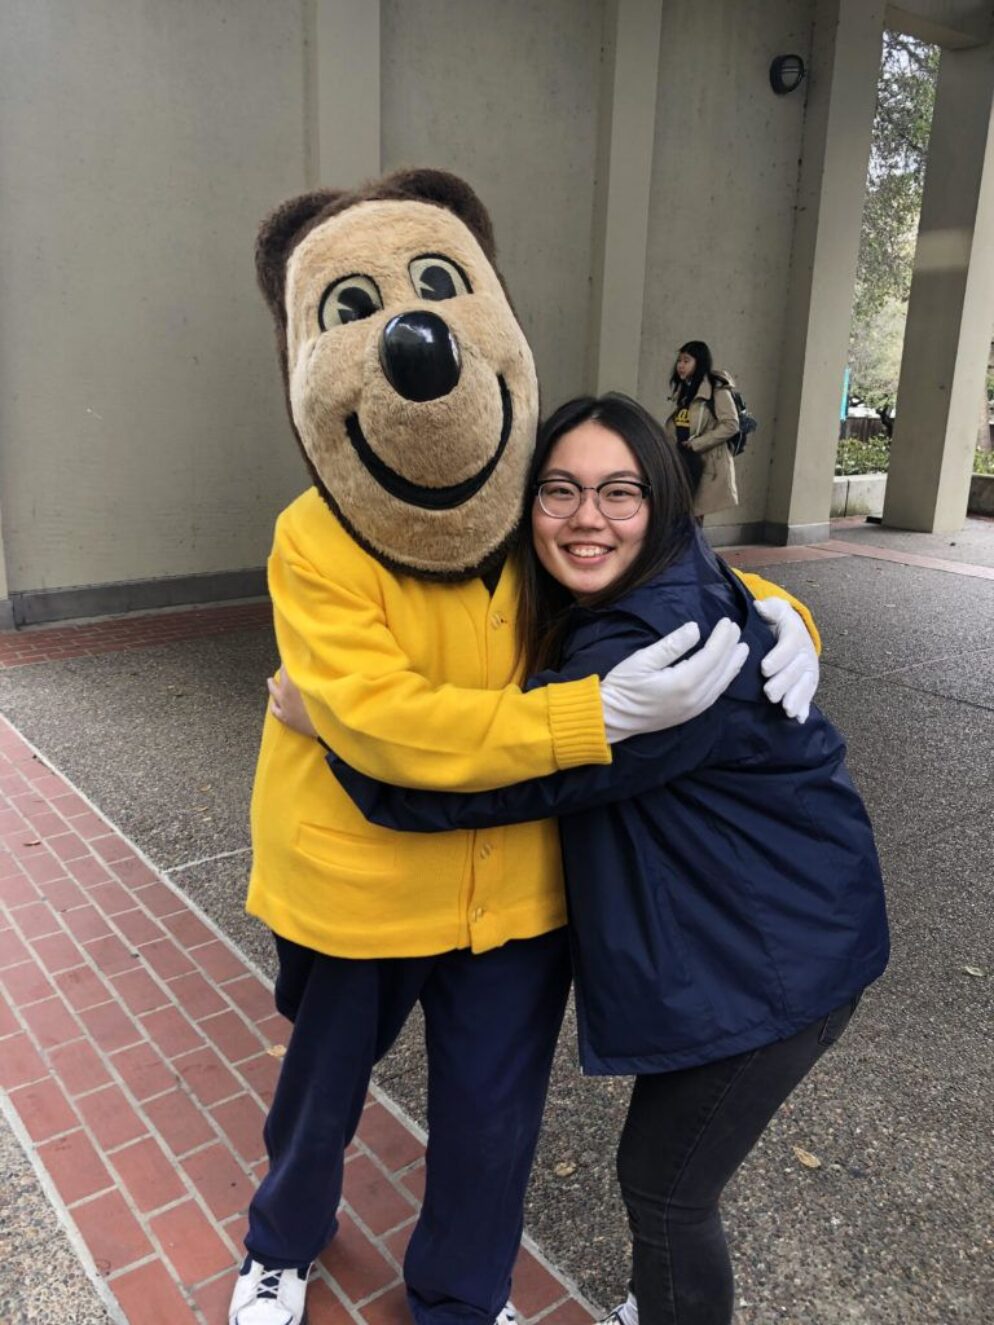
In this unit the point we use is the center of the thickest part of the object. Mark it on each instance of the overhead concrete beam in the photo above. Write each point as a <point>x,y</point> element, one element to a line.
<point>953,24</point>
<point>951,308</point>
<point>624,180</point>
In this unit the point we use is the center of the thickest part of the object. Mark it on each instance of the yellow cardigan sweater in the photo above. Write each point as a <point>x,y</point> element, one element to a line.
<point>412,682</point>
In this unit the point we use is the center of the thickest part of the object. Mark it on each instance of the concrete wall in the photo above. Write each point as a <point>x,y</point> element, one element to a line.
<point>142,423</point>
<point>506,95</point>
<point>725,177</point>
<point>142,428</point>
<point>140,145</point>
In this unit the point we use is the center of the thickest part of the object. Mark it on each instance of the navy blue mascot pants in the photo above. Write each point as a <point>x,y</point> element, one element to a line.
<point>491,1024</point>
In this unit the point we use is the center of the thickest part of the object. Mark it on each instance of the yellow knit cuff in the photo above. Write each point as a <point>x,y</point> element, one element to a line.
<point>576,720</point>
<point>760,588</point>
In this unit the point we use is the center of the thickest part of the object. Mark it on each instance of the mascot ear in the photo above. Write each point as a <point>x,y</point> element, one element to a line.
<point>451,192</point>
<point>278,235</point>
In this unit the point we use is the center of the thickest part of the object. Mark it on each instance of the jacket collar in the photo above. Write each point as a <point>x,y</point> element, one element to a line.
<point>705,391</point>
<point>696,564</point>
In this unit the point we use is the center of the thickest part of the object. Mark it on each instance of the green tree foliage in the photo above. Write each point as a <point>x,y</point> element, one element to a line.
<point>901,126</point>
<point>895,179</point>
<point>875,357</point>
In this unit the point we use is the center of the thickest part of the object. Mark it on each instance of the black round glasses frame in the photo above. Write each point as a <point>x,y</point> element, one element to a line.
<point>579,488</point>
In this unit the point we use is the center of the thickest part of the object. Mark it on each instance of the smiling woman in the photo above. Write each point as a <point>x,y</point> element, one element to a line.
<point>725,900</point>
<point>614,516</point>
<point>592,510</point>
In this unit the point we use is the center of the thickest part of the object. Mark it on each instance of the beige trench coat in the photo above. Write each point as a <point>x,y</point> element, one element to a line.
<point>708,434</point>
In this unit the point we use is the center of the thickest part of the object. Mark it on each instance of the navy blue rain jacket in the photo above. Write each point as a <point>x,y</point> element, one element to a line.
<point>723,884</point>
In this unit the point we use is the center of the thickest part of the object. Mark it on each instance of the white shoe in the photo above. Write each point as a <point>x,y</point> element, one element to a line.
<point>507,1315</point>
<point>625,1314</point>
<point>268,1297</point>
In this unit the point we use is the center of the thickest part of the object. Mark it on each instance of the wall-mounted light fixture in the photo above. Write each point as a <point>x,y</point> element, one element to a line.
<point>786,73</point>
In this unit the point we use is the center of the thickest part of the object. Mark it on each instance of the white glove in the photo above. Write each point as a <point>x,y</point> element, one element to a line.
<point>792,664</point>
<point>646,694</point>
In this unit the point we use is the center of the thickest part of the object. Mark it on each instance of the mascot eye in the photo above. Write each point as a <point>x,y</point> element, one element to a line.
<point>348,300</point>
<point>436,277</point>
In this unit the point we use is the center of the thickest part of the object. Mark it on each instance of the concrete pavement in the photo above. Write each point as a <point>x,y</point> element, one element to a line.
<point>895,1225</point>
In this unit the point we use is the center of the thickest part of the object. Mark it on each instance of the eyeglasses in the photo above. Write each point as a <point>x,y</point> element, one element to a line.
<point>616,499</point>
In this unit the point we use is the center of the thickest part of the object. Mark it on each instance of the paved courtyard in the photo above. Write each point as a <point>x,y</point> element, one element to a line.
<point>138,1045</point>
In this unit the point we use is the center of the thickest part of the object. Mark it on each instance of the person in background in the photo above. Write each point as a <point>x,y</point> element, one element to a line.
<point>702,420</point>
<point>726,905</point>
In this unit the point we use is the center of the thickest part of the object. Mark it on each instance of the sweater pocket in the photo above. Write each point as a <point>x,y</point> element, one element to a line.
<point>338,851</point>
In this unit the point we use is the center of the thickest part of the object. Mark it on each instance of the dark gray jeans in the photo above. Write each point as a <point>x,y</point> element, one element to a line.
<point>686,1134</point>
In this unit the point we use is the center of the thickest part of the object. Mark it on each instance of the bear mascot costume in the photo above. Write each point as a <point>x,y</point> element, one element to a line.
<point>413,395</point>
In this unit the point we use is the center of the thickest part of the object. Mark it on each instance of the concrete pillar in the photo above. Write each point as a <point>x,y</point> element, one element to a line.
<point>624,179</point>
<point>845,66</point>
<point>951,309</point>
<point>343,92</point>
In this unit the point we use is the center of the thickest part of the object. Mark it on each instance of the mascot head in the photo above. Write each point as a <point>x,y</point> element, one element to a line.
<point>410,385</point>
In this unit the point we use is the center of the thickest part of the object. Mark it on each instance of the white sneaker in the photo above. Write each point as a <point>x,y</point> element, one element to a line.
<point>625,1314</point>
<point>268,1297</point>
<point>507,1315</point>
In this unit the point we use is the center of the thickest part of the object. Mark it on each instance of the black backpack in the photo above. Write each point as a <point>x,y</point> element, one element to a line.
<point>747,422</point>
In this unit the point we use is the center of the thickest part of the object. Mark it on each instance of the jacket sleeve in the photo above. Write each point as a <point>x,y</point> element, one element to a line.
<point>760,588</point>
<point>639,764</point>
<point>724,422</point>
<point>369,704</point>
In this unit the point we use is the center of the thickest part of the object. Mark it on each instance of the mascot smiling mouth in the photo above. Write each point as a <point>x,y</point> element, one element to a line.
<point>418,494</point>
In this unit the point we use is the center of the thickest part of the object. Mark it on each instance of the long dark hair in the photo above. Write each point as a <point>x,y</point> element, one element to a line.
<point>703,368</point>
<point>545,603</point>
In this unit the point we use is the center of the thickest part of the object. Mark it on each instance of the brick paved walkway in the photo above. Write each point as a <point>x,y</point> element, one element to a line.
<point>138,1052</point>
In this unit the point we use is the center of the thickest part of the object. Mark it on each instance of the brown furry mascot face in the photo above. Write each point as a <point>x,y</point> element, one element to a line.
<point>410,384</point>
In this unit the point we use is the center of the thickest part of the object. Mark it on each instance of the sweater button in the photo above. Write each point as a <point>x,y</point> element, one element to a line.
<point>479,913</point>
<point>485,850</point>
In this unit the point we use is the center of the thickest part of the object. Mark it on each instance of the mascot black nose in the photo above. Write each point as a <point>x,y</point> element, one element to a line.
<point>420,356</point>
